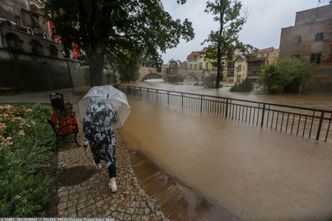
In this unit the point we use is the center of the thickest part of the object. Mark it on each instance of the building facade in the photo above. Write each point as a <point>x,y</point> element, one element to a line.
<point>29,58</point>
<point>26,15</point>
<point>260,58</point>
<point>195,60</point>
<point>240,68</point>
<point>311,39</point>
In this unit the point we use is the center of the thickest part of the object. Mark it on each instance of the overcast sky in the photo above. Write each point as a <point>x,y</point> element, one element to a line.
<point>262,29</point>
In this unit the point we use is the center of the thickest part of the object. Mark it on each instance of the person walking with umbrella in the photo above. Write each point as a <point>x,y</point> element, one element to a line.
<point>103,113</point>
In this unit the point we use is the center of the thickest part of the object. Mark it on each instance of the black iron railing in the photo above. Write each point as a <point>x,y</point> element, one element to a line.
<point>300,121</point>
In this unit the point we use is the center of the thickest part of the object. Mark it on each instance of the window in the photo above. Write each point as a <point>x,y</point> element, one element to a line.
<point>319,36</point>
<point>13,41</point>
<point>35,21</point>
<point>239,68</point>
<point>53,50</point>
<point>18,20</point>
<point>36,47</point>
<point>298,39</point>
<point>315,58</point>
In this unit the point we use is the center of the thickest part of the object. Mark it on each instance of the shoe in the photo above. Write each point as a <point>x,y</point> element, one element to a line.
<point>112,185</point>
<point>97,165</point>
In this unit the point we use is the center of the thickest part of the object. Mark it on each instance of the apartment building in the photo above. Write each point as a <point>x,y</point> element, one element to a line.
<point>311,39</point>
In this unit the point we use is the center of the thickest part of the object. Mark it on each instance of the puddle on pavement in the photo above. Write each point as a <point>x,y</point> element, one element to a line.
<point>74,175</point>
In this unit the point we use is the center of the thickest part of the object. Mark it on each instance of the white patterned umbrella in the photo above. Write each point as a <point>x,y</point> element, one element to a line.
<point>109,95</point>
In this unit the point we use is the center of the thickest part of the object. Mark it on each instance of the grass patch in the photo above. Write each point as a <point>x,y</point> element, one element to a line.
<point>26,144</point>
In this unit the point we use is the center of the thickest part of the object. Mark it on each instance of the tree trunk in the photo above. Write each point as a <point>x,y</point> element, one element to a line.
<point>219,54</point>
<point>219,77</point>
<point>96,64</point>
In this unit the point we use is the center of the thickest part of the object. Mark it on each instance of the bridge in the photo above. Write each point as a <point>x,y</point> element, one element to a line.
<point>189,75</point>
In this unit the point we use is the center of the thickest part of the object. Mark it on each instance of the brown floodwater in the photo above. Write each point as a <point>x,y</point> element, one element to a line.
<point>254,174</point>
<point>312,99</point>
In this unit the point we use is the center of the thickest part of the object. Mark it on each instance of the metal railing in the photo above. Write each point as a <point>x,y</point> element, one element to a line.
<point>300,121</point>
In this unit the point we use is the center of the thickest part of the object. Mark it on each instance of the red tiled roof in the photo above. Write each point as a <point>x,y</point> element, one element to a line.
<point>193,54</point>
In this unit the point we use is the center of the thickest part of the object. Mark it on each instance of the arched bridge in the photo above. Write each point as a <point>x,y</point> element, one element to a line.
<point>187,74</point>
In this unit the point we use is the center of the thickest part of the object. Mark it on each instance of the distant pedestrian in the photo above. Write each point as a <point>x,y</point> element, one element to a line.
<point>99,134</point>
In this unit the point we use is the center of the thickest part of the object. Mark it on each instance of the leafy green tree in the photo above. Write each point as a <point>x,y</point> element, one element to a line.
<point>289,74</point>
<point>224,41</point>
<point>115,28</point>
<point>172,70</point>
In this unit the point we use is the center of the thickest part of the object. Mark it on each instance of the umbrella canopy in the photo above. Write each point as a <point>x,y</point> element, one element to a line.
<point>106,99</point>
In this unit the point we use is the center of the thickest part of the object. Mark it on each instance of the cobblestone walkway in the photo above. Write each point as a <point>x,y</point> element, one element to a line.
<point>84,192</point>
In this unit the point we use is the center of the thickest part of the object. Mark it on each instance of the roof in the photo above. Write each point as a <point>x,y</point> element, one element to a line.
<point>266,49</point>
<point>193,54</point>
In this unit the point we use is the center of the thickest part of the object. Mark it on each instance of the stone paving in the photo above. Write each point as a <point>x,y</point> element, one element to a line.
<point>92,198</point>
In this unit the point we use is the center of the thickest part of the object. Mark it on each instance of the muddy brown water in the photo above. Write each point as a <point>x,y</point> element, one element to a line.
<point>254,174</point>
<point>178,202</point>
<point>311,99</point>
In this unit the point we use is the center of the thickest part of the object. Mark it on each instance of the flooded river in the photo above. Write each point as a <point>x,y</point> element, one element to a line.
<point>254,174</point>
<point>308,99</point>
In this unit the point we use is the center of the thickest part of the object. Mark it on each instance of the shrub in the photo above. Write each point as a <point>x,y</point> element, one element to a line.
<point>176,78</point>
<point>26,143</point>
<point>245,86</point>
<point>288,75</point>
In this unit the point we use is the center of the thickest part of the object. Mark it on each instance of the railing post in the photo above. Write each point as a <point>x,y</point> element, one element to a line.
<point>201,104</point>
<point>157,93</point>
<point>226,114</point>
<point>320,125</point>
<point>167,97</point>
<point>147,92</point>
<point>263,115</point>
<point>182,98</point>
<point>140,91</point>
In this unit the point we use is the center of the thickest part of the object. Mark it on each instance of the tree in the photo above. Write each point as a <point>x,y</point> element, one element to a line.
<point>289,74</point>
<point>224,41</point>
<point>172,71</point>
<point>125,30</point>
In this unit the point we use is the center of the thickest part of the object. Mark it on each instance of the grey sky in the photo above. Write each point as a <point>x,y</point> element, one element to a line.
<point>262,29</point>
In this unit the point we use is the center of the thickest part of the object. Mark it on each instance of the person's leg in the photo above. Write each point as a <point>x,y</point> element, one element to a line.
<point>111,167</point>
<point>96,159</point>
<point>112,170</point>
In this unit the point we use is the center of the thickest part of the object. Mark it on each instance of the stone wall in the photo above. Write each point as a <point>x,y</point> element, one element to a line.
<point>313,15</point>
<point>322,79</point>
<point>80,74</point>
<point>33,73</point>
